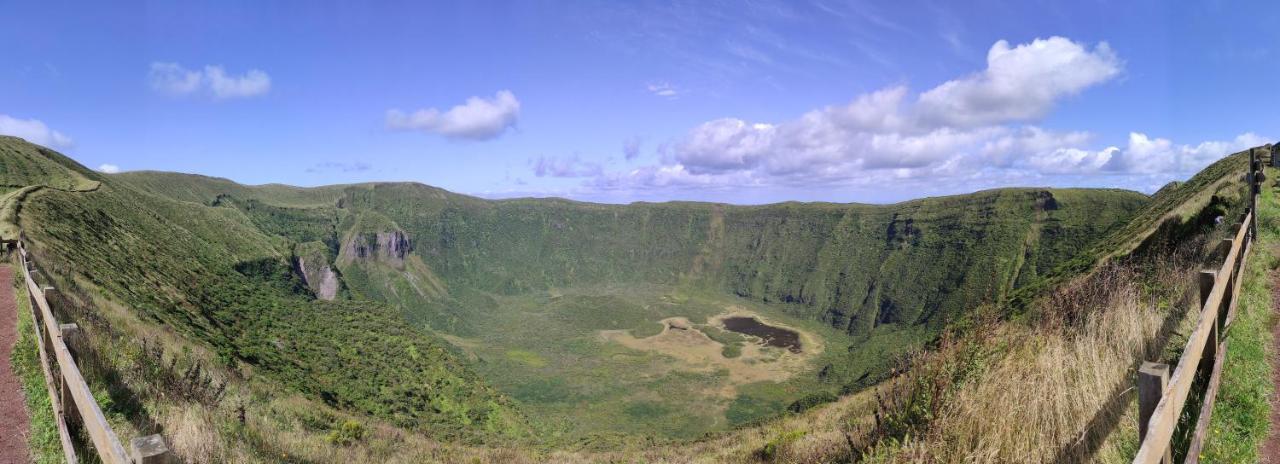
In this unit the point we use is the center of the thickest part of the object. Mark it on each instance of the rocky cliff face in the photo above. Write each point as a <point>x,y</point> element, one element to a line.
<point>389,247</point>
<point>311,260</point>
<point>320,278</point>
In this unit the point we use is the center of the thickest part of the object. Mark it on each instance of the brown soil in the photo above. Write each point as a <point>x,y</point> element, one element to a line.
<point>1271,447</point>
<point>13,410</point>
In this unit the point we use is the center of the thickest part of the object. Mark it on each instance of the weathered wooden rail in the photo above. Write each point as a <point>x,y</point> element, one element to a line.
<point>1161,396</point>
<point>73,403</point>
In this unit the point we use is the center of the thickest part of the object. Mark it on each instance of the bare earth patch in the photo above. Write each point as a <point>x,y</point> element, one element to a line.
<point>696,352</point>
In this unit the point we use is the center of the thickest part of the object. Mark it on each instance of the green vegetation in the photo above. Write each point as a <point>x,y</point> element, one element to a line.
<point>809,260</point>
<point>42,437</point>
<point>564,324</point>
<point>347,434</point>
<point>1176,211</point>
<point>213,276</point>
<point>1241,416</point>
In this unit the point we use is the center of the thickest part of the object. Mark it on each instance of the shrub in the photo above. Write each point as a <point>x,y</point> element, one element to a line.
<point>772,447</point>
<point>811,400</point>
<point>347,434</point>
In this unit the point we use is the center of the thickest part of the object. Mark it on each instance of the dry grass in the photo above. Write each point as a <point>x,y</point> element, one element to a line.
<point>1055,389</point>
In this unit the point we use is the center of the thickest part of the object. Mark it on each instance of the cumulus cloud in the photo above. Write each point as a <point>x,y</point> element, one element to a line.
<point>251,84</point>
<point>975,131</point>
<point>175,80</point>
<point>34,131</point>
<point>571,166</point>
<point>1146,155</point>
<point>109,168</point>
<point>477,119</point>
<point>1020,83</point>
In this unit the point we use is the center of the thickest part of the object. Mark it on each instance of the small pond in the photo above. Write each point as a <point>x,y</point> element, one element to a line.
<point>772,336</point>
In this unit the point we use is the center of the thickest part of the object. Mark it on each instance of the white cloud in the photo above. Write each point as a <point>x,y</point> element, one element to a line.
<point>663,90</point>
<point>725,145</point>
<point>477,119</point>
<point>175,80</point>
<point>969,133</point>
<point>253,83</point>
<point>1020,83</point>
<point>34,131</point>
<point>572,166</point>
<point>1146,155</point>
<point>109,168</point>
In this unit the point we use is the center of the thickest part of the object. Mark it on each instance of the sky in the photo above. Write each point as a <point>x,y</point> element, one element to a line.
<point>740,102</point>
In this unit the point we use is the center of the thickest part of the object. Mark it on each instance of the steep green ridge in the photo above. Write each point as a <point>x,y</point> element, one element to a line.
<point>241,268</point>
<point>1176,211</point>
<point>855,266</point>
<point>213,276</point>
<point>25,168</point>
<point>23,164</point>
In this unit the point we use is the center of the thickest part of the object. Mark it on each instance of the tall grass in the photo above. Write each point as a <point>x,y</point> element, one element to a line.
<point>1055,386</point>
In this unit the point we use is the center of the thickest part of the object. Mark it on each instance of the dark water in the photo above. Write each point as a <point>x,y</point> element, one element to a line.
<point>773,336</point>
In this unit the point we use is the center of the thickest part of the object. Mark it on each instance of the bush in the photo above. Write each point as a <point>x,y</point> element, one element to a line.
<point>811,400</point>
<point>731,351</point>
<point>347,434</point>
<point>772,447</point>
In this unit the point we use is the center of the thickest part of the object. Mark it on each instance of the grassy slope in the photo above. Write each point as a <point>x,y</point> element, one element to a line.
<point>25,168</point>
<point>1176,210</point>
<point>1241,416</point>
<point>208,273</point>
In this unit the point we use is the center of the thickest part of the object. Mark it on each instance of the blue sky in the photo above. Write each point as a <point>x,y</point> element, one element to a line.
<point>742,102</point>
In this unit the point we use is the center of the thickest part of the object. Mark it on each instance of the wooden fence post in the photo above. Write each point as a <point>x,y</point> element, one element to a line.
<point>1152,380</point>
<point>150,449</point>
<point>1207,278</point>
<point>1255,169</point>
<point>69,411</point>
<point>1226,297</point>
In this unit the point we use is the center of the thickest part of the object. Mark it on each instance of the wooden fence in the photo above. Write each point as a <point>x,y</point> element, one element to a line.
<point>1161,396</point>
<point>73,403</point>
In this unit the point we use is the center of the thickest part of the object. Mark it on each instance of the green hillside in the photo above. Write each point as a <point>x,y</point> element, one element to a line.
<point>813,255</point>
<point>212,276</point>
<point>870,281</point>
<point>468,317</point>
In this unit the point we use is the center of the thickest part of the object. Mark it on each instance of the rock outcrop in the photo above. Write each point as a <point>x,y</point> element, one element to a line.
<point>390,247</point>
<point>311,260</point>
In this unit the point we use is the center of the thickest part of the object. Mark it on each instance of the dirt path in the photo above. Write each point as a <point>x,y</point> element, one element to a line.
<point>1271,447</point>
<point>13,410</point>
